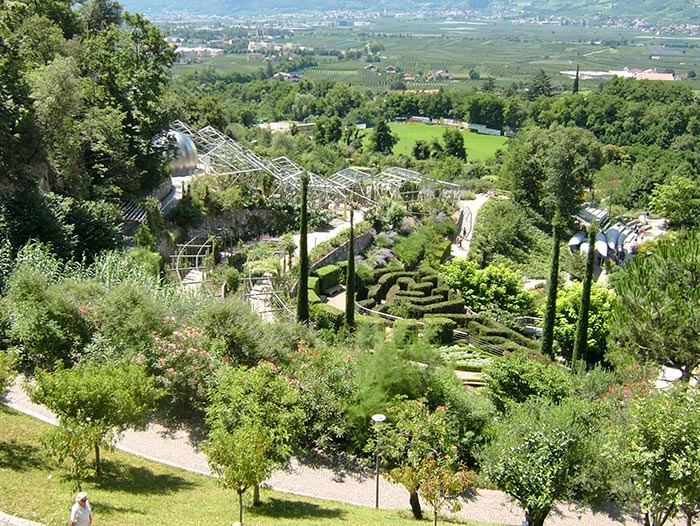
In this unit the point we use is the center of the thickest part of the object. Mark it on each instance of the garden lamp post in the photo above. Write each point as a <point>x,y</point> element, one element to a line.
<point>376,422</point>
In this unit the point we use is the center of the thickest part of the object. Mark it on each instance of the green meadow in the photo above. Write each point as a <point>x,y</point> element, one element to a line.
<point>136,492</point>
<point>479,147</point>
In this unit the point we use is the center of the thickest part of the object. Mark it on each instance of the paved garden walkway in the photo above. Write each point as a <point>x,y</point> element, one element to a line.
<point>347,481</point>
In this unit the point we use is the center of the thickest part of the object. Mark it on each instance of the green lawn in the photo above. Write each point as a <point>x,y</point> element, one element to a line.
<point>137,492</point>
<point>479,147</point>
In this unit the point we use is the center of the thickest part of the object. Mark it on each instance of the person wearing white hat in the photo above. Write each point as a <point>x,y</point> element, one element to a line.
<point>80,513</point>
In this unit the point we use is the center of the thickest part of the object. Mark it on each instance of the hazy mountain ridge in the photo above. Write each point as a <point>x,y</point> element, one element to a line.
<point>654,11</point>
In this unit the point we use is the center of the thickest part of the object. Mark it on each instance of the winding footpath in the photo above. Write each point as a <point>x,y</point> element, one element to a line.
<point>350,483</point>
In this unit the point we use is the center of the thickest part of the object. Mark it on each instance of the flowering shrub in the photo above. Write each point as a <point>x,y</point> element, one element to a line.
<point>325,378</point>
<point>184,366</point>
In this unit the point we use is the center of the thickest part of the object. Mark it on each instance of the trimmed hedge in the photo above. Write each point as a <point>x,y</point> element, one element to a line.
<point>443,307</point>
<point>405,283</point>
<point>313,297</point>
<point>424,287</point>
<point>343,266</point>
<point>326,317</point>
<point>462,320</point>
<point>389,279</point>
<point>443,292</point>
<point>314,284</point>
<point>329,277</point>
<point>511,334</point>
<point>439,331</point>
<point>391,268</point>
<point>374,293</point>
<point>430,278</point>
<point>408,295</point>
<point>405,332</point>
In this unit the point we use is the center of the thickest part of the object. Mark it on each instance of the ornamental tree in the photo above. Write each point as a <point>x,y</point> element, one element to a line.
<point>495,287</point>
<point>661,445</point>
<point>255,422</point>
<point>422,445</point>
<point>303,284</point>
<point>515,378</point>
<point>99,401</point>
<point>568,318</point>
<point>544,452</point>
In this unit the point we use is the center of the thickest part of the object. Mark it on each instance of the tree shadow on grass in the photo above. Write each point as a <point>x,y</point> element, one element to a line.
<point>19,457</point>
<point>118,476</point>
<point>107,509</point>
<point>293,509</point>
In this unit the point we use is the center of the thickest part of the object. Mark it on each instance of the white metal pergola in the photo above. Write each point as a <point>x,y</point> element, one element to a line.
<point>235,164</point>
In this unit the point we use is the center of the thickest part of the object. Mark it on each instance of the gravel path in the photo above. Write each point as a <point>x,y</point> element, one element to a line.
<point>349,483</point>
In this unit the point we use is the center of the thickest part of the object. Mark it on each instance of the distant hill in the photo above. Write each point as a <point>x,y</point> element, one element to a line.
<point>654,11</point>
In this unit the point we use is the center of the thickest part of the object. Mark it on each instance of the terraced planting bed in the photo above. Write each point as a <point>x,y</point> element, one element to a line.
<point>466,358</point>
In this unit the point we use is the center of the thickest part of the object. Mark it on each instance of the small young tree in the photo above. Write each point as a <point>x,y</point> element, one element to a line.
<point>255,422</point>
<point>95,404</point>
<point>422,445</point>
<point>442,484</point>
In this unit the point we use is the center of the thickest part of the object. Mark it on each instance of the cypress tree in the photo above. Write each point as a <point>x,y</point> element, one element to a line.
<point>303,288</point>
<point>552,285</point>
<point>575,88</point>
<point>350,278</point>
<point>581,341</point>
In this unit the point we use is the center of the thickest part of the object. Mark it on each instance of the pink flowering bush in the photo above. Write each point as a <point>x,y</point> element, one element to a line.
<point>184,366</point>
<point>325,378</point>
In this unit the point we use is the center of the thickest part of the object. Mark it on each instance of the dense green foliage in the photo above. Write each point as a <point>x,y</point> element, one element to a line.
<point>544,452</point>
<point>95,404</point>
<point>495,288</point>
<point>655,312</point>
<point>662,454</point>
<point>84,92</point>
<point>255,422</point>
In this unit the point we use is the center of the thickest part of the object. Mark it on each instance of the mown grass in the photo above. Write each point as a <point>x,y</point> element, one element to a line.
<point>479,147</point>
<point>137,492</point>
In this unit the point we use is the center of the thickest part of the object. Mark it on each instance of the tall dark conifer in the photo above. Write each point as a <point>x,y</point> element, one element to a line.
<point>303,289</point>
<point>581,341</point>
<point>552,286</point>
<point>350,278</point>
<point>575,88</point>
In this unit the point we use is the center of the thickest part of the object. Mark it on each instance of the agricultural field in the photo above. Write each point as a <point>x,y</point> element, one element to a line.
<point>510,53</point>
<point>225,64</point>
<point>479,147</point>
